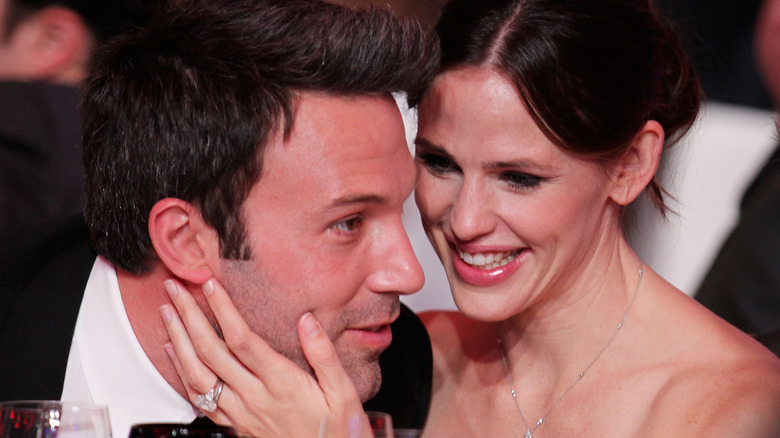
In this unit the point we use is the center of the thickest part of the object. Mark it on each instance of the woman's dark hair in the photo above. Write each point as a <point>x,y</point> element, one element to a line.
<point>590,72</point>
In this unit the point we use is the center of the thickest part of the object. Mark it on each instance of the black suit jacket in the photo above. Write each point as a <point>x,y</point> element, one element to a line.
<point>42,281</point>
<point>743,283</point>
<point>40,153</point>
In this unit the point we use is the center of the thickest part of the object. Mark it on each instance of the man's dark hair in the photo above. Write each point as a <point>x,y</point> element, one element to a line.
<point>184,107</point>
<point>104,17</point>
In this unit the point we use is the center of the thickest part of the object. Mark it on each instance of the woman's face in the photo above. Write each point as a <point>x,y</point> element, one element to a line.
<point>513,217</point>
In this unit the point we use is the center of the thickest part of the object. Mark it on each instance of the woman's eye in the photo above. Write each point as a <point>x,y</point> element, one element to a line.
<point>521,181</point>
<point>437,164</point>
<point>348,225</point>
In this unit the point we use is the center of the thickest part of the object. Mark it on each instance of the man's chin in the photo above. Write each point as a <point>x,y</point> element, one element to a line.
<point>366,375</point>
<point>367,379</point>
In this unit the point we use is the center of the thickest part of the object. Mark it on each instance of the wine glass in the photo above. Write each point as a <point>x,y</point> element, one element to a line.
<point>53,419</point>
<point>171,430</point>
<point>381,424</point>
<point>407,433</point>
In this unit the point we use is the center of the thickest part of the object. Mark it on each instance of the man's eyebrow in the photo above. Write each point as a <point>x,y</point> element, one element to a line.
<point>357,199</point>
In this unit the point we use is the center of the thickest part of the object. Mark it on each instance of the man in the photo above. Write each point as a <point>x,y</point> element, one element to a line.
<point>45,49</point>
<point>743,283</point>
<point>255,142</point>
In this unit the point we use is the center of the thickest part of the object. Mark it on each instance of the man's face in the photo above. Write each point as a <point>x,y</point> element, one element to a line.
<point>4,12</point>
<point>324,226</point>
<point>8,46</point>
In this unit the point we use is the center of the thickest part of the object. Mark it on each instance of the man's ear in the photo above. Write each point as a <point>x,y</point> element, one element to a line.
<point>633,171</point>
<point>183,241</point>
<point>53,44</point>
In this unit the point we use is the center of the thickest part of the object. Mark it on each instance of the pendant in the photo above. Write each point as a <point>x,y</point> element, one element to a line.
<point>529,434</point>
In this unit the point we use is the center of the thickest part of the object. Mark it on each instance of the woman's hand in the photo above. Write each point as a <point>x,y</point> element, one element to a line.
<point>264,394</point>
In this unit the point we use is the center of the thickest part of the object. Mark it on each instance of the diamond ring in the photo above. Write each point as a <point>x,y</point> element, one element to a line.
<point>208,401</point>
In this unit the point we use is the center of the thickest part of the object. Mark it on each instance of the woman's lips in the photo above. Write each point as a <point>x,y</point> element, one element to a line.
<point>486,268</point>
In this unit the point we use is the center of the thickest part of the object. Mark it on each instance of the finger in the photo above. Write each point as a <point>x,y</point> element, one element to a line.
<point>249,358</point>
<point>218,416</point>
<point>231,408</point>
<point>254,407</point>
<point>209,349</point>
<point>193,372</point>
<point>252,350</point>
<point>339,391</point>
<point>203,361</point>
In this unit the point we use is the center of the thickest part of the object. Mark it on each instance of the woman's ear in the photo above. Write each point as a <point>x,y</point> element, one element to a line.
<point>634,170</point>
<point>183,241</point>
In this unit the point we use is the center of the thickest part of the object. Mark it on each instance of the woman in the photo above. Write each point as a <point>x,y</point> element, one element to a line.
<point>547,120</point>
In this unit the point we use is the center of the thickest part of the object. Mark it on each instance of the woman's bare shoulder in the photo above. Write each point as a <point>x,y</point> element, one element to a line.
<point>714,379</point>
<point>721,382</point>
<point>739,397</point>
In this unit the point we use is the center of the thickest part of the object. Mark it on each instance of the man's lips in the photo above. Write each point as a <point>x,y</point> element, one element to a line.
<point>373,329</point>
<point>375,336</point>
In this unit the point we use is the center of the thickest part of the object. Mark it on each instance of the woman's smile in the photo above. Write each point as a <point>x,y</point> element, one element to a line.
<point>486,268</point>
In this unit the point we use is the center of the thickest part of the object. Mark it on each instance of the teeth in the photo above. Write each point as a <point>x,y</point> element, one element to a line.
<point>488,261</point>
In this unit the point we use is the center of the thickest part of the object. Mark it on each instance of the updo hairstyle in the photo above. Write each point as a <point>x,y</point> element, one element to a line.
<point>590,72</point>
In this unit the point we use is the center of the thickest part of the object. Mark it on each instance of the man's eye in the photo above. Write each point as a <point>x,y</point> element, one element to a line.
<point>521,181</point>
<point>348,225</point>
<point>437,164</point>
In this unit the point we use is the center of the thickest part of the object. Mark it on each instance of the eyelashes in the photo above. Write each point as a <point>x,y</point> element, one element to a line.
<point>440,165</point>
<point>348,225</point>
<point>521,181</point>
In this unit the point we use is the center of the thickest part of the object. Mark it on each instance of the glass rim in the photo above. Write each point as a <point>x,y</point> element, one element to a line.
<point>35,405</point>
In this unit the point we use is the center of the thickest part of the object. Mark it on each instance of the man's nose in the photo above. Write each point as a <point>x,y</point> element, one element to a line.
<point>398,269</point>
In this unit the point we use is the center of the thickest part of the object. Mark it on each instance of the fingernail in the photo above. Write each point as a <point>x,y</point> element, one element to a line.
<point>170,350</point>
<point>165,314</point>
<point>208,287</point>
<point>171,288</point>
<point>311,326</point>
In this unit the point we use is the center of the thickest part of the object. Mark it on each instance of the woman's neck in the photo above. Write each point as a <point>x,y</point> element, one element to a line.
<point>565,332</point>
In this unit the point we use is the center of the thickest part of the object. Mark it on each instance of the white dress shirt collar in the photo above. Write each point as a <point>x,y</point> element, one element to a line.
<point>107,365</point>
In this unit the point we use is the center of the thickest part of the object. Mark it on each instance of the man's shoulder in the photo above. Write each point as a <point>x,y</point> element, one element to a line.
<point>43,273</point>
<point>27,249</point>
<point>56,256</point>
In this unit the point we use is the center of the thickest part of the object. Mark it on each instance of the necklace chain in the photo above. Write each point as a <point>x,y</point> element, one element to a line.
<point>529,431</point>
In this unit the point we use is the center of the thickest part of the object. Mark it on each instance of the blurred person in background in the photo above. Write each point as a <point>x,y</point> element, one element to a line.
<point>718,35</point>
<point>743,283</point>
<point>45,50</point>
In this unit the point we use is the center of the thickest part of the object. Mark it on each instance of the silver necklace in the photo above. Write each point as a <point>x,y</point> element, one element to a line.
<point>529,431</point>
